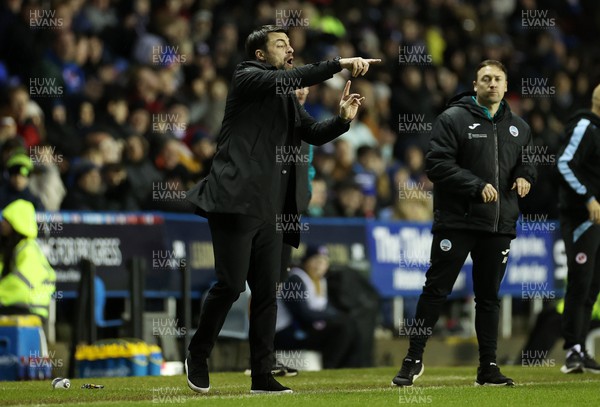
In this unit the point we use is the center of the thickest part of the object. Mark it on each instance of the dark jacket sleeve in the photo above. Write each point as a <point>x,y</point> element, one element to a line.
<point>440,162</point>
<point>571,161</point>
<point>319,133</point>
<point>299,307</point>
<point>526,169</point>
<point>256,80</point>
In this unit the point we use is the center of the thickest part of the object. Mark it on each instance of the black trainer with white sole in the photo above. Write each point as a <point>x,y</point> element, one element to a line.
<point>196,371</point>
<point>283,370</point>
<point>573,364</point>
<point>278,370</point>
<point>266,384</point>
<point>410,371</point>
<point>589,363</point>
<point>490,376</point>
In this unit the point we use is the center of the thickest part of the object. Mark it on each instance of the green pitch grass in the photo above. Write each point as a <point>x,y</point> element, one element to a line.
<point>448,386</point>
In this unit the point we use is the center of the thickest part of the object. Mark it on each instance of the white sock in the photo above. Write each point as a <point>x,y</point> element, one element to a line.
<point>575,348</point>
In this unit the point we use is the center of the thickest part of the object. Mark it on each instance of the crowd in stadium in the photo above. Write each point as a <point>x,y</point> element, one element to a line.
<point>103,103</point>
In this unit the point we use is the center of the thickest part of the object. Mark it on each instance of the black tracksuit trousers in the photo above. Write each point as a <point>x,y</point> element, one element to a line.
<point>582,247</point>
<point>449,251</point>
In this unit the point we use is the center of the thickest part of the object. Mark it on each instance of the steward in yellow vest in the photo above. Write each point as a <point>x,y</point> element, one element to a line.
<point>27,281</point>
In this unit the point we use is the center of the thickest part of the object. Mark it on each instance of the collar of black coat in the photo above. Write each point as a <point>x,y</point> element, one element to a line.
<point>583,114</point>
<point>466,101</point>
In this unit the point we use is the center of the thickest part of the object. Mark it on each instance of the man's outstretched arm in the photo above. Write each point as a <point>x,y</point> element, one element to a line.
<point>254,79</point>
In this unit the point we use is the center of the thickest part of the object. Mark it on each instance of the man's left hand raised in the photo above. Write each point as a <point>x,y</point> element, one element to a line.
<point>349,103</point>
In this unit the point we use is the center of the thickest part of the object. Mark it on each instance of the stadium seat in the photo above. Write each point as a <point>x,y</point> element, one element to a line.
<point>100,303</point>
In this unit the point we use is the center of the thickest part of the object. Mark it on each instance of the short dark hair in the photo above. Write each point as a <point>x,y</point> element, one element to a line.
<point>258,38</point>
<point>492,62</point>
<point>364,150</point>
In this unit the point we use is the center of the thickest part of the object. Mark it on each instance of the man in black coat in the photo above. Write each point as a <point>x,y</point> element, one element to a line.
<point>479,163</point>
<point>578,196</point>
<point>251,191</point>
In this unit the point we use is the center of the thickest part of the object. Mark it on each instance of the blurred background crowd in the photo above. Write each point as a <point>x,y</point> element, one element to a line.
<point>107,105</point>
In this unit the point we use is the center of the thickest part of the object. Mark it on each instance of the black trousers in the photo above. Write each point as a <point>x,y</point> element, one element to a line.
<point>449,251</point>
<point>246,249</point>
<point>583,279</point>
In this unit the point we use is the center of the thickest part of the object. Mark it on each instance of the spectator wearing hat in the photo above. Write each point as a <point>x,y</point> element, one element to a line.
<point>87,194</point>
<point>9,148</point>
<point>19,168</point>
<point>306,319</point>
